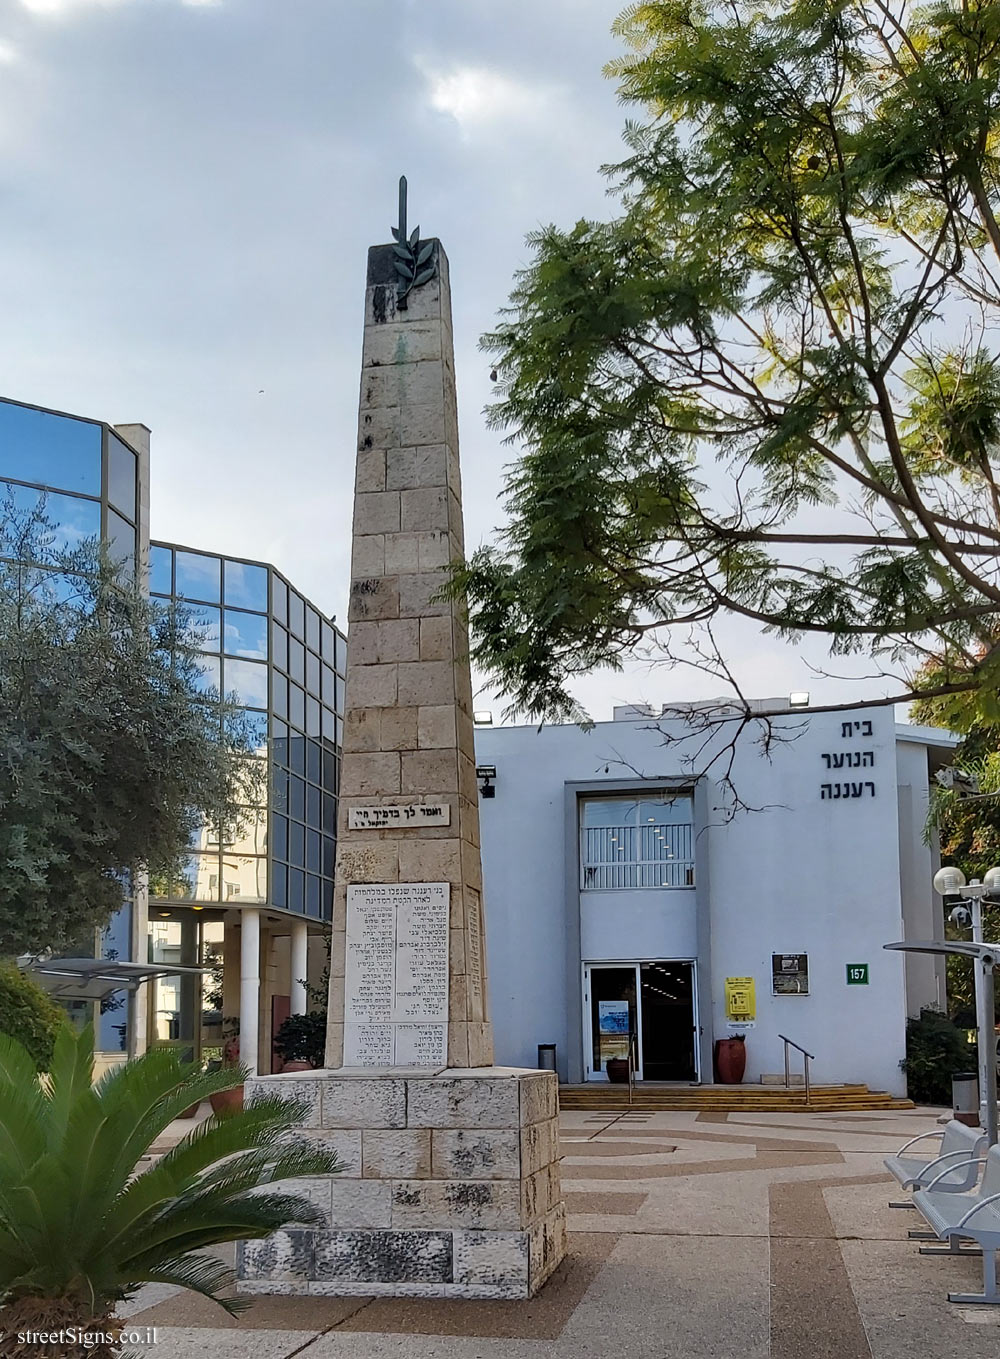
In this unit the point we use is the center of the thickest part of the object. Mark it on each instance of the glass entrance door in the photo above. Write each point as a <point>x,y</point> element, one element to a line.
<point>656,1002</point>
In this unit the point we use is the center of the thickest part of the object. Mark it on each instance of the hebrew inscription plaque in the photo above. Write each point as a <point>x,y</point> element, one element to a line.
<point>396,975</point>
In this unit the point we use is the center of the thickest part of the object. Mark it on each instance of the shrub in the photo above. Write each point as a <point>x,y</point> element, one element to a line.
<point>936,1050</point>
<point>80,1231</point>
<point>302,1038</point>
<point>29,1015</point>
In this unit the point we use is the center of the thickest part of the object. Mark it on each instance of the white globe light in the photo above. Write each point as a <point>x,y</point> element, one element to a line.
<point>948,881</point>
<point>992,881</point>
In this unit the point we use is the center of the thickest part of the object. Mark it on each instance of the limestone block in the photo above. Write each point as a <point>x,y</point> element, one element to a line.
<point>463,1102</point>
<point>374,861</point>
<point>401,344</point>
<point>376,512</point>
<point>418,594</point>
<point>424,304</point>
<point>393,1154</point>
<point>371,773</point>
<point>360,1203</point>
<point>472,867</point>
<point>429,771</point>
<point>458,1041</point>
<point>283,1256</point>
<point>476,1154</point>
<point>345,1143</point>
<point>457,995</point>
<point>362,725</point>
<point>405,385</point>
<point>401,469</point>
<point>539,1097</point>
<point>368,556</point>
<point>480,1044</point>
<point>383,1256</point>
<point>435,550</point>
<point>401,553</point>
<point>399,729</point>
<point>546,1246</point>
<point>305,1092</point>
<point>436,639</point>
<point>370,470</point>
<point>468,821</point>
<point>494,1204</point>
<point>420,510</point>
<point>363,1102</point>
<point>414,468</point>
<point>271,1289</point>
<point>371,686</point>
<point>424,682</point>
<point>540,1193</point>
<point>493,1258</point>
<point>456,949</point>
<point>373,597</point>
<point>539,1146</point>
<point>315,1190</point>
<point>378,428</point>
<point>428,860</point>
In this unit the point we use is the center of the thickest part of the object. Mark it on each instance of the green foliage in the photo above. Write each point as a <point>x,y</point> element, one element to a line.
<point>80,1230</point>
<point>736,398</point>
<point>302,1038</point>
<point>936,1050</point>
<point>29,1015</point>
<point>113,756</point>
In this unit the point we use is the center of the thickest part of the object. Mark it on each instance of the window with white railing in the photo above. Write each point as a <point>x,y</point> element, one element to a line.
<point>629,842</point>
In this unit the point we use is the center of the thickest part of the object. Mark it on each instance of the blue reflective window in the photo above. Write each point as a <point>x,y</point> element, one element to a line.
<point>122,474</point>
<point>279,599</point>
<point>328,645</point>
<point>312,629</point>
<point>279,695</point>
<point>313,761</point>
<point>312,717</point>
<point>312,896</point>
<point>198,576</point>
<point>279,790</point>
<point>248,681</point>
<point>314,851</point>
<point>329,854</point>
<point>246,586</point>
<point>51,450</point>
<point>328,689</point>
<point>297,753</point>
<point>297,706</point>
<point>329,771</point>
<point>329,819</point>
<point>161,566</point>
<point>121,541</point>
<point>341,654</point>
<point>279,885</point>
<point>312,673</point>
<point>341,698</point>
<point>279,837</point>
<point>208,672</point>
<point>296,844</point>
<point>251,724</point>
<point>296,660</point>
<point>296,613</point>
<point>313,804</point>
<point>296,798</point>
<point>279,646</point>
<point>296,889</point>
<point>328,724</point>
<point>201,626</point>
<point>245,634</point>
<point>72,520</point>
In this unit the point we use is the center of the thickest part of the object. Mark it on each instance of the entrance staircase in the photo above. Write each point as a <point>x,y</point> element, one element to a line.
<point>650,1097</point>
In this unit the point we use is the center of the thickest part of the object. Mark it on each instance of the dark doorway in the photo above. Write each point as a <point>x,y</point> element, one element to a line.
<point>668,1022</point>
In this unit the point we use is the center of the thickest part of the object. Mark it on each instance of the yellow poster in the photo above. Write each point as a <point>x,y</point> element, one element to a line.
<point>741,999</point>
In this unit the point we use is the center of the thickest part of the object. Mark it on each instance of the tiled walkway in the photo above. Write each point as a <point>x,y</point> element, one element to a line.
<point>700,1236</point>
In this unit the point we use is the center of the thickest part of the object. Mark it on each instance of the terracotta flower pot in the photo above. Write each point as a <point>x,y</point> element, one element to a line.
<point>224,1100</point>
<point>296,1066</point>
<point>190,1111</point>
<point>617,1069</point>
<point>731,1059</point>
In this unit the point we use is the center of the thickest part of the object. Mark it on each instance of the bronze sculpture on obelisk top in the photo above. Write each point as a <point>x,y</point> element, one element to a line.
<point>450,1185</point>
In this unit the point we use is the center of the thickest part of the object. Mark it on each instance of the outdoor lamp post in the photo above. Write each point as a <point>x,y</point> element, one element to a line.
<point>950,882</point>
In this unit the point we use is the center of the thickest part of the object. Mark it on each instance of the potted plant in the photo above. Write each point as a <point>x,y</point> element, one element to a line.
<point>617,1069</point>
<point>232,1097</point>
<point>301,1041</point>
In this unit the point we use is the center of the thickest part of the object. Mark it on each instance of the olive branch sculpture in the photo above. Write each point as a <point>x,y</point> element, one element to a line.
<point>414,258</point>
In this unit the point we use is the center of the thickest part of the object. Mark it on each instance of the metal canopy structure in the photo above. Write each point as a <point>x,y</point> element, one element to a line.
<point>96,978</point>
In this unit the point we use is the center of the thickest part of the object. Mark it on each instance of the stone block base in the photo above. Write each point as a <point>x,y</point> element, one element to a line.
<point>450,1186</point>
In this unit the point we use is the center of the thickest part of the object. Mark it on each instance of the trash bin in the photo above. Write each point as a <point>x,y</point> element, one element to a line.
<point>965,1098</point>
<point>547,1056</point>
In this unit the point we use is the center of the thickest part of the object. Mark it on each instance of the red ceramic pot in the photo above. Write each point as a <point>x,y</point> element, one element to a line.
<point>617,1069</point>
<point>296,1066</point>
<point>731,1059</point>
<point>227,1099</point>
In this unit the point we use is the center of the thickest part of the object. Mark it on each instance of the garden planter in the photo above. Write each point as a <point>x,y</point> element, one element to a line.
<point>730,1059</point>
<point>617,1069</point>
<point>296,1066</point>
<point>226,1100</point>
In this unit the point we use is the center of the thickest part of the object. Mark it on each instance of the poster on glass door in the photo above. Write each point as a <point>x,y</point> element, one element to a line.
<point>613,1026</point>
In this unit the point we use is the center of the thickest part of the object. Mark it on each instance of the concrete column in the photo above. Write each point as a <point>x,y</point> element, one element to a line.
<point>299,966</point>
<point>249,987</point>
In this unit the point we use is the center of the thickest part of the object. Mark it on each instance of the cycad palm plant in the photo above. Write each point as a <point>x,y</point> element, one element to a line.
<point>80,1231</point>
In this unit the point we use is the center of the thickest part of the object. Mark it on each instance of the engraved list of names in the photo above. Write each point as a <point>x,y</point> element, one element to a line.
<point>396,982</point>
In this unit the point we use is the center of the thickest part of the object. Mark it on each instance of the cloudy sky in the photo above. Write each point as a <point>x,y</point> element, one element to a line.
<point>187,192</point>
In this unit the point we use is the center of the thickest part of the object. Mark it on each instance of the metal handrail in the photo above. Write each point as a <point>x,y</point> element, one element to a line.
<point>807,1057</point>
<point>633,1056</point>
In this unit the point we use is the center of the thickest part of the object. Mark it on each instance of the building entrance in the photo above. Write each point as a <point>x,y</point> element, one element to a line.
<point>653,1002</point>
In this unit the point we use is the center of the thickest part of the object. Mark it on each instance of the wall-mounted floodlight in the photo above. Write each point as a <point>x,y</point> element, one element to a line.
<point>483,717</point>
<point>487,772</point>
<point>799,699</point>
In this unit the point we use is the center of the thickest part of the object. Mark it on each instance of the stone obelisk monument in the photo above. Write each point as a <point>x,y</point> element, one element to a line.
<point>450,1185</point>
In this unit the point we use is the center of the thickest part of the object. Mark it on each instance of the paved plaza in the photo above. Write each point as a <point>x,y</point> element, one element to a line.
<point>695,1235</point>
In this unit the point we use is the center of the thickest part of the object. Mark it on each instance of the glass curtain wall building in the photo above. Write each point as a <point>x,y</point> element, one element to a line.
<point>250,900</point>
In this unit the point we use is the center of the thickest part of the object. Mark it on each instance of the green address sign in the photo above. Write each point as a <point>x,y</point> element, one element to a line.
<point>857,974</point>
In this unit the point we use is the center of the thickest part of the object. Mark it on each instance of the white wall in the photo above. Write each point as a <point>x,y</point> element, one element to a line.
<point>803,874</point>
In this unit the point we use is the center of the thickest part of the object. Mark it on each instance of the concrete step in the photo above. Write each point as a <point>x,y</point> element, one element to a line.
<point>844,1098</point>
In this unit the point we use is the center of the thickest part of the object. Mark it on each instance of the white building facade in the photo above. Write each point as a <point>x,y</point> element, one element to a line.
<point>623,895</point>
